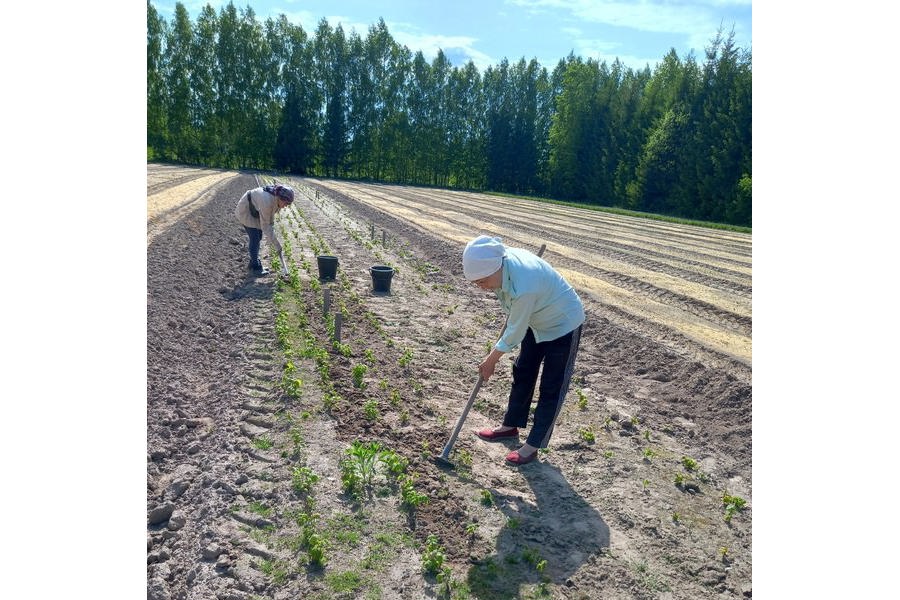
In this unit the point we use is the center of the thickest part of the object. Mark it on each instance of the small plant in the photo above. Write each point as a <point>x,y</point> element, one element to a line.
<point>383,384</point>
<point>410,498</point>
<point>395,398</point>
<point>471,529</point>
<point>608,454</point>
<point>433,557</point>
<point>607,423</point>
<point>676,518</point>
<point>649,453</point>
<point>733,505</point>
<point>406,358</point>
<point>369,356</point>
<point>723,553</point>
<point>689,463</point>
<point>259,508</point>
<point>587,435</point>
<point>582,400</point>
<point>316,547</point>
<point>635,421</point>
<point>487,498</point>
<point>370,409</point>
<point>404,417</point>
<point>359,371</point>
<point>647,434</point>
<point>464,457</point>
<point>302,479</point>
<point>679,479</point>
<point>646,484</point>
<point>263,443</point>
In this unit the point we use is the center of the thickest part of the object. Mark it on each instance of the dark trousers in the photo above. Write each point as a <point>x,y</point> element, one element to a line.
<point>255,236</point>
<point>558,357</point>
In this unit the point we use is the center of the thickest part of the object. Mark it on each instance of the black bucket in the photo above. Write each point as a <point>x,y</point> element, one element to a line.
<point>381,278</point>
<point>327,267</point>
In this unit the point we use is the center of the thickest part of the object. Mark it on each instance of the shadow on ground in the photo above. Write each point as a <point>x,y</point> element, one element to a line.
<point>544,542</point>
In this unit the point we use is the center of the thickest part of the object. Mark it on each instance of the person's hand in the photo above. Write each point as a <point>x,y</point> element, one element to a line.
<point>487,368</point>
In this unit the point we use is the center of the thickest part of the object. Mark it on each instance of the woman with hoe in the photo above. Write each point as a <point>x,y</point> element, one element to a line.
<point>544,316</point>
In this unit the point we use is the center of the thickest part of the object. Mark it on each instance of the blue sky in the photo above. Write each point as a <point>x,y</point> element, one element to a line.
<point>638,32</point>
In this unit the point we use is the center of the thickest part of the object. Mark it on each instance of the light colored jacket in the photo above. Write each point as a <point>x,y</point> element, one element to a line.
<point>267,205</point>
<point>534,295</point>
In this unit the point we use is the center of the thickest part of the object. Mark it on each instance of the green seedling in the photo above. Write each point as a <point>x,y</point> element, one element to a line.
<point>679,479</point>
<point>487,498</point>
<point>471,529</point>
<point>302,480</point>
<point>587,435</point>
<point>689,463</point>
<point>582,400</point>
<point>406,358</point>
<point>359,371</point>
<point>263,443</point>
<point>409,497</point>
<point>733,505</point>
<point>369,356</point>
<point>404,417</point>
<point>647,434</point>
<point>676,517</point>
<point>433,557</point>
<point>395,398</point>
<point>608,454</point>
<point>370,409</point>
<point>383,384</point>
<point>649,453</point>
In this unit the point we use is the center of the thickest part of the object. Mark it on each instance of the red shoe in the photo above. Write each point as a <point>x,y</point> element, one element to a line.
<point>517,459</point>
<point>489,435</point>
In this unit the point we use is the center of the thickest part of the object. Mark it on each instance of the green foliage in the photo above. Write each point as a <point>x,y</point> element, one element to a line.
<point>370,409</point>
<point>582,400</point>
<point>263,443</point>
<point>302,480</point>
<point>358,373</point>
<point>689,463</point>
<point>487,498</point>
<point>406,358</point>
<point>733,505</point>
<point>433,556</point>
<point>676,140</point>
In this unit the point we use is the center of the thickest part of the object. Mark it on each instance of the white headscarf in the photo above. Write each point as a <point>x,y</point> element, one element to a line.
<point>482,257</point>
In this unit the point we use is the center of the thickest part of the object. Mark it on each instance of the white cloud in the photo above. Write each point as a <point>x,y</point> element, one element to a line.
<point>409,36</point>
<point>643,15</point>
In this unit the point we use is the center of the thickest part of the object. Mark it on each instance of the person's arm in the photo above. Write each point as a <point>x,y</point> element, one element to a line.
<point>517,323</point>
<point>267,224</point>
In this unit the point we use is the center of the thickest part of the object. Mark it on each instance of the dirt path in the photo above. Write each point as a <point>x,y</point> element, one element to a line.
<point>244,464</point>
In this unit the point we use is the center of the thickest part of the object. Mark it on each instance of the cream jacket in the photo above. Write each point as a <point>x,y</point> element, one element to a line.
<point>267,205</point>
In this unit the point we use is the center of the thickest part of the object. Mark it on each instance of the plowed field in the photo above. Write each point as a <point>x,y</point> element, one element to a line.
<point>252,406</point>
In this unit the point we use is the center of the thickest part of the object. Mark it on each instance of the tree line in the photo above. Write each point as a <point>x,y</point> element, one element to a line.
<point>231,91</point>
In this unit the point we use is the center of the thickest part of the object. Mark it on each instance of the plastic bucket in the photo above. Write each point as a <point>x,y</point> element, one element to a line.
<point>381,278</point>
<point>327,267</point>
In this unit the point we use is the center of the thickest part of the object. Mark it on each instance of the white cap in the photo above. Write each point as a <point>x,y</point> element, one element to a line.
<point>482,257</point>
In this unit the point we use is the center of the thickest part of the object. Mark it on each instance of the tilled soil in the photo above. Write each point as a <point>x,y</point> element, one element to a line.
<point>598,516</point>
